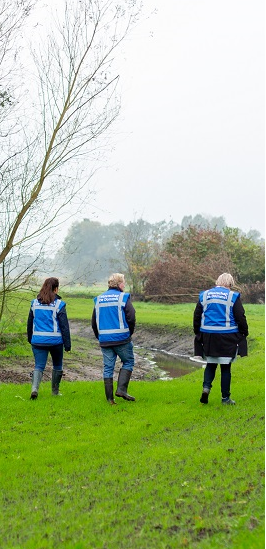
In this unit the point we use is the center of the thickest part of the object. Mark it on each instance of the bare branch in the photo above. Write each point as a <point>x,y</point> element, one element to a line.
<point>74,107</point>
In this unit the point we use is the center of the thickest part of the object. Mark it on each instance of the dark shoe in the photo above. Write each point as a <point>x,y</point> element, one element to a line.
<point>122,385</point>
<point>204,397</point>
<point>109,390</point>
<point>56,378</point>
<point>228,401</point>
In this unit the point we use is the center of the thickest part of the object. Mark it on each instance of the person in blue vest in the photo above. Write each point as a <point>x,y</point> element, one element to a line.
<point>221,329</point>
<point>48,332</point>
<point>113,322</point>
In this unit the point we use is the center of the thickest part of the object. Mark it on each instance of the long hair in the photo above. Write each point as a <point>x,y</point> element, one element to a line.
<point>47,291</point>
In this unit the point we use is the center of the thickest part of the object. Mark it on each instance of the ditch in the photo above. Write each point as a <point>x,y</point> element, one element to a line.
<point>173,366</point>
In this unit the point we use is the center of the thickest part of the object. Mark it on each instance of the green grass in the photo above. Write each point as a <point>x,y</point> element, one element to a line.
<point>164,471</point>
<point>160,473</point>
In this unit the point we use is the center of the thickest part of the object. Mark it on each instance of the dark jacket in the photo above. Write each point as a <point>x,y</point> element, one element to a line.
<point>130,318</point>
<point>221,344</point>
<point>63,325</point>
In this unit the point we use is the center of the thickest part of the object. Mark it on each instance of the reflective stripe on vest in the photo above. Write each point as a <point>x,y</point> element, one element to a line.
<point>117,303</point>
<point>228,304</point>
<point>54,308</point>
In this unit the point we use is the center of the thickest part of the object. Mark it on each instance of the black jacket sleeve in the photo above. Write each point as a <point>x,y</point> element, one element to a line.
<point>64,327</point>
<point>93,324</point>
<point>240,317</point>
<point>30,325</point>
<point>130,316</point>
<point>197,318</point>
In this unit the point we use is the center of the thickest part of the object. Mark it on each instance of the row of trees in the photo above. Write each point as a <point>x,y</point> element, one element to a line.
<point>163,259</point>
<point>92,250</point>
<point>192,260</point>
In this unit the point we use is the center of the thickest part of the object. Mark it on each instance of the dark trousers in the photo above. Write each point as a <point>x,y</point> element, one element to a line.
<point>209,375</point>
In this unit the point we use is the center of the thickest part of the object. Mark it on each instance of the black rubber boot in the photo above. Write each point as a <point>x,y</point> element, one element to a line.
<point>109,389</point>
<point>122,384</point>
<point>56,378</point>
<point>36,380</point>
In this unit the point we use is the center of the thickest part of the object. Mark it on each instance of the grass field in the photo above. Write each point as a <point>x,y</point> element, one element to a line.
<point>164,472</point>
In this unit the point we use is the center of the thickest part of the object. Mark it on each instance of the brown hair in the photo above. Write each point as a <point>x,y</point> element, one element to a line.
<point>47,291</point>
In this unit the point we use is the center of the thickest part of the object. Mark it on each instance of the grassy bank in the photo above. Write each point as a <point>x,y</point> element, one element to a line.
<point>164,471</point>
<point>169,317</point>
<point>161,473</point>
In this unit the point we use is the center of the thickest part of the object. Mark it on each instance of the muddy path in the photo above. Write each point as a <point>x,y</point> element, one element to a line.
<point>85,363</point>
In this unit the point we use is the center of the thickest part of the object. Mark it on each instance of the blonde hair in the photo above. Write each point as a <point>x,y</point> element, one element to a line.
<point>115,279</point>
<point>225,280</point>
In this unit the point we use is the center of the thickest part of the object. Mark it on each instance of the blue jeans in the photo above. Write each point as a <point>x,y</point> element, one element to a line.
<point>110,354</point>
<point>41,355</point>
<point>209,375</point>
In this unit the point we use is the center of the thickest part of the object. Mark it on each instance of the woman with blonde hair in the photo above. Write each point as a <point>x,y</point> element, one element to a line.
<point>113,322</point>
<point>220,329</point>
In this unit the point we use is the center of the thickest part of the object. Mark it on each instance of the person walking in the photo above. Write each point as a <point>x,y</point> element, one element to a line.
<point>221,329</point>
<point>48,332</point>
<point>113,322</point>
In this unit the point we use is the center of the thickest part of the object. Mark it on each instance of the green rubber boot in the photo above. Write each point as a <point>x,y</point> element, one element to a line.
<point>36,380</point>
<point>56,378</point>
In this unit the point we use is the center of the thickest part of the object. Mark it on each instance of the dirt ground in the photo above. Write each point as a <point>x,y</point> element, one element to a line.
<point>146,343</point>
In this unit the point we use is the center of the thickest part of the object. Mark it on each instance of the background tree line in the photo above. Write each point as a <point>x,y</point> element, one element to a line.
<point>164,261</point>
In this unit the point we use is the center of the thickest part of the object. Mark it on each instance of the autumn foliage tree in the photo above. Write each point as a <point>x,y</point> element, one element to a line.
<point>175,279</point>
<point>247,256</point>
<point>193,259</point>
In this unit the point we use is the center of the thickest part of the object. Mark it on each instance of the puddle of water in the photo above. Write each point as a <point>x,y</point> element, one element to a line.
<point>175,366</point>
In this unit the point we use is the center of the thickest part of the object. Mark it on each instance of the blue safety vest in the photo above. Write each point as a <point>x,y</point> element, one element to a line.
<point>110,316</point>
<point>217,315</point>
<point>46,330</point>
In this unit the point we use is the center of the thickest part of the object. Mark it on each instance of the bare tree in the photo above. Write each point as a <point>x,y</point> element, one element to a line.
<point>138,244</point>
<point>13,16</point>
<point>57,121</point>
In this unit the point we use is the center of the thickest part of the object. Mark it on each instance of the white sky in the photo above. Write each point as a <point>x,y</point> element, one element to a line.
<point>190,137</point>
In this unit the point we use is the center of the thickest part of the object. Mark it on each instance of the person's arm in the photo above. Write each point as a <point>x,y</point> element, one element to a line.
<point>130,315</point>
<point>30,325</point>
<point>197,318</point>
<point>240,317</point>
<point>94,324</point>
<point>64,328</point>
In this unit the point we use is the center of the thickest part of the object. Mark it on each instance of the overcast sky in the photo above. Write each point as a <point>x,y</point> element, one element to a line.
<point>190,137</point>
